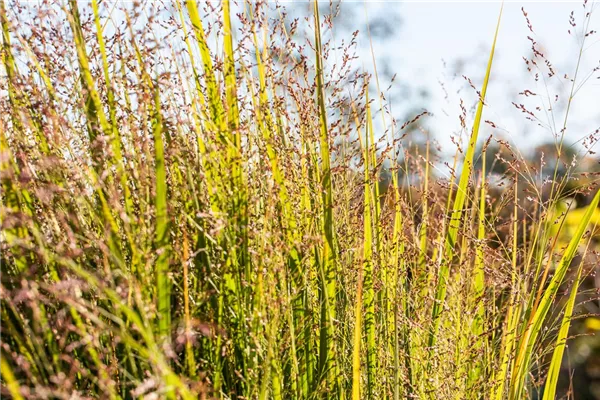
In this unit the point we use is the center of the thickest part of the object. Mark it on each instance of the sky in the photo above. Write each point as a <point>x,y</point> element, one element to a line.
<point>434,37</point>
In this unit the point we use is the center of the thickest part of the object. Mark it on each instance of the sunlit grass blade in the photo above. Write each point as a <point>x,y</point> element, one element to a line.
<point>9,379</point>
<point>97,122</point>
<point>214,98</point>
<point>230,80</point>
<point>459,201</point>
<point>422,260</point>
<point>112,110</point>
<point>367,268</point>
<point>19,100</point>
<point>509,333</point>
<point>15,198</point>
<point>561,341</point>
<point>529,338</point>
<point>506,350</point>
<point>328,259</point>
<point>356,370</point>
<point>163,283</point>
<point>477,287</point>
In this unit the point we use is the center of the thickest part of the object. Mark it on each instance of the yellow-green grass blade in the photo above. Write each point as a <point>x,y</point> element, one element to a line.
<point>9,380</point>
<point>459,201</point>
<point>26,342</point>
<point>477,286</point>
<point>398,280</point>
<point>369,280</point>
<point>97,122</point>
<point>15,197</point>
<point>529,338</point>
<point>189,351</point>
<point>93,353</point>
<point>328,258</point>
<point>23,197</point>
<point>161,230</point>
<point>425,214</point>
<point>202,124</point>
<point>561,341</point>
<point>388,258</point>
<point>116,138</point>
<point>266,125</point>
<point>214,98</point>
<point>231,99</point>
<point>478,283</point>
<point>163,283</point>
<point>265,122</point>
<point>214,166</point>
<point>290,223</point>
<point>18,100</point>
<point>510,332</point>
<point>438,250</point>
<point>40,70</point>
<point>307,224</point>
<point>109,91</point>
<point>506,350</point>
<point>372,151</point>
<point>8,60</point>
<point>218,122</point>
<point>199,115</point>
<point>356,373</point>
<point>230,80</point>
<point>198,101</point>
<point>148,348</point>
<point>375,326</point>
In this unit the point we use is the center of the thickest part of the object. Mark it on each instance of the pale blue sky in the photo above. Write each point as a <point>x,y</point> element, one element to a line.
<point>432,34</point>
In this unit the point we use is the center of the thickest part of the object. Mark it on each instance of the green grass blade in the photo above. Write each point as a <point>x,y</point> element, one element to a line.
<point>477,287</point>
<point>356,372</point>
<point>230,80</point>
<point>506,350</point>
<point>328,259</point>
<point>9,379</point>
<point>116,138</point>
<point>478,283</point>
<point>97,122</point>
<point>214,98</point>
<point>163,283</point>
<point>459,201</point>
<point>529,338</point>
<point>369,279</point>
<point>561,341</point>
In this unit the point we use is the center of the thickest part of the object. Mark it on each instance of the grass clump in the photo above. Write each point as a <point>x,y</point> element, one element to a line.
<point>194,205</point>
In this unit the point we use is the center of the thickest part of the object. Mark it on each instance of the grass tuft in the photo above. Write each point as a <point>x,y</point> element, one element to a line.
<point>201,201</point>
